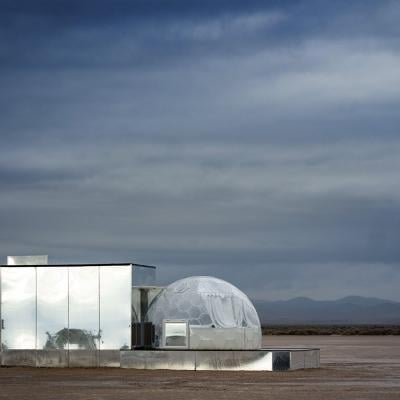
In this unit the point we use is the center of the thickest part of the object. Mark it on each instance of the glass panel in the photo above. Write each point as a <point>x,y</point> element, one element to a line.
<point>115,307</point>
<point>18,307</point>
<point>143,276</point>
<point>52,308</point>
<point>136,311</point>
<point>175,334</point>
<point>83,308</point>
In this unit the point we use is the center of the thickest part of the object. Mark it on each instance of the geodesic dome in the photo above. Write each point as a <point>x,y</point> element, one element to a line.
<point>207,302</point>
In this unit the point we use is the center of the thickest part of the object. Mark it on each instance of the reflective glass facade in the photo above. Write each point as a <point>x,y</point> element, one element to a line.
<point>52,308</point>
<point>84,308</point>
<point>66,307</point>
<point>115,308</point>
<point>18,308</point>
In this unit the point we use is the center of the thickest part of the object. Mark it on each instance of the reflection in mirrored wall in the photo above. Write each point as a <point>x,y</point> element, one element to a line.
<point>68,307</point>
<point>115,307</point>
<point>52,308</point>
<point>18,308</point>
<point>84,308</point>
<point>143,276</point>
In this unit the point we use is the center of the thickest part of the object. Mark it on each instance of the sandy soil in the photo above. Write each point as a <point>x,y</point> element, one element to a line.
<point>351,368</point>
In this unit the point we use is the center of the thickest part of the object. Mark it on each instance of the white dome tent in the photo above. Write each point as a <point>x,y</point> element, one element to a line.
<point>204,313</point>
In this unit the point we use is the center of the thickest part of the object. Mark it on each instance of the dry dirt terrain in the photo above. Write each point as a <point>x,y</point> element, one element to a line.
<point>351,368</point>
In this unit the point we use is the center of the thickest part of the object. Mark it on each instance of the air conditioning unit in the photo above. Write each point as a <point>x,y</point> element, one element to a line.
<point>143,335</point>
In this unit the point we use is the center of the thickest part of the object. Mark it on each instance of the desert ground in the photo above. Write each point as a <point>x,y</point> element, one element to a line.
<point>352,367</point>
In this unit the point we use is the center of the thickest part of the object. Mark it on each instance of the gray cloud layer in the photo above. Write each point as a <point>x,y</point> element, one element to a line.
<point>256,143</point>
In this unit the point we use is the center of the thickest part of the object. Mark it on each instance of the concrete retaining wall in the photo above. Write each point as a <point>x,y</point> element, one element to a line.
<point>194,360</point>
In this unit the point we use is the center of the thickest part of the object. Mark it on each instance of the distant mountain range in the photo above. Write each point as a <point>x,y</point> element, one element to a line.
<point>349,310</point>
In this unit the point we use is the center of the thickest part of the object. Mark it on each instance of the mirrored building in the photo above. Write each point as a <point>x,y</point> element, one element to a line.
<point>68,307</point>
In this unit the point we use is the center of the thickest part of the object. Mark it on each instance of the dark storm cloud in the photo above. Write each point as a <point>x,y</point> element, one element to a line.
<point>151,33</point>
<point>249,140</point>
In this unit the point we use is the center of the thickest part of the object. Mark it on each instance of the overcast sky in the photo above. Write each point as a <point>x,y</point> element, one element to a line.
<point>257,141</point>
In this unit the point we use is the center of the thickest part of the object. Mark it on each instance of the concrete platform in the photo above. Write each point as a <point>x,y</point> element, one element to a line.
<point>222,360</point>
<point>283,359</point>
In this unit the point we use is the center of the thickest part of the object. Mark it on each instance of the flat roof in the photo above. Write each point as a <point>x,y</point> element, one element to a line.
<point>79,265</point>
